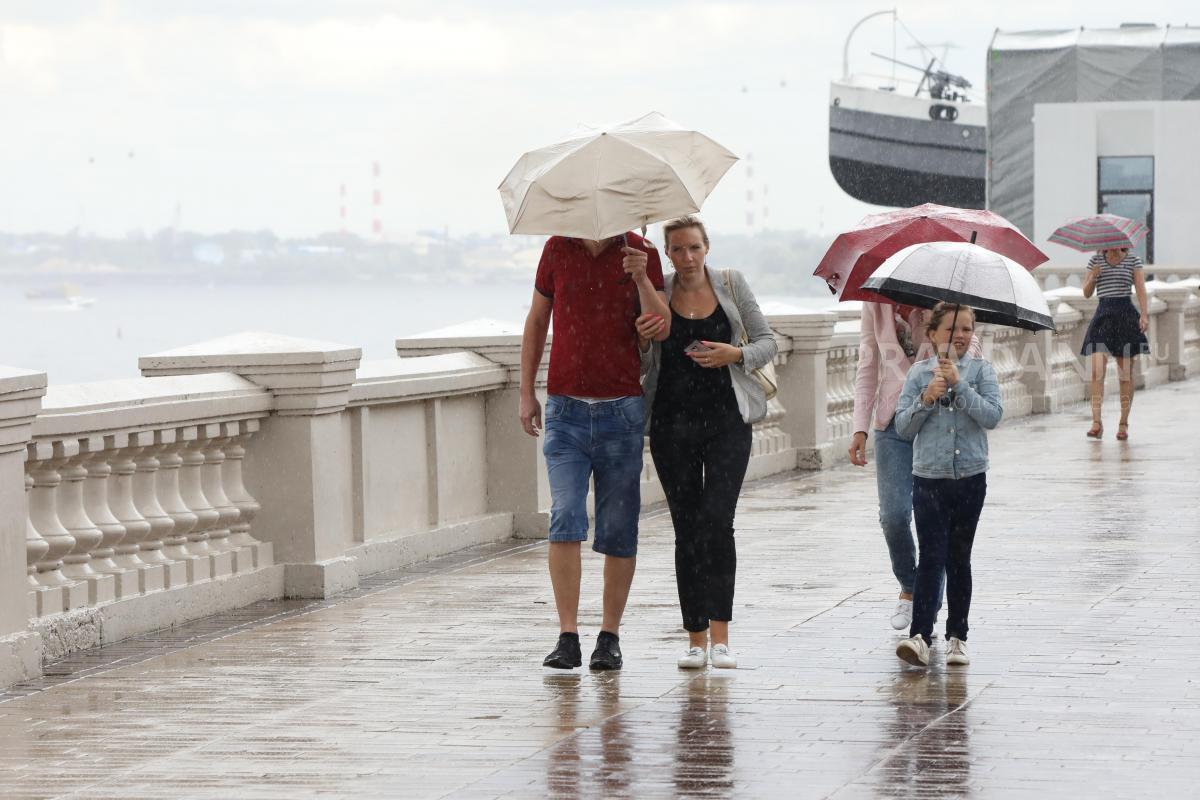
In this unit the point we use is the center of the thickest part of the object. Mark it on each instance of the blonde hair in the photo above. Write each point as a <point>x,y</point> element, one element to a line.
<point>680,224</point>
<point>939,313</point>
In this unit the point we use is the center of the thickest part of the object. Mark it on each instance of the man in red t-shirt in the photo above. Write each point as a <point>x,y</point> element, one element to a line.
<point>594,417</point>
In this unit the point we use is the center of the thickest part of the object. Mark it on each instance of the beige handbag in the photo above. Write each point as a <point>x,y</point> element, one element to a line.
<point>765,375</point>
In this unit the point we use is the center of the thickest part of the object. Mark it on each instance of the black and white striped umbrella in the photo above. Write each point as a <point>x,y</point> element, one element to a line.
<point>999,289</point>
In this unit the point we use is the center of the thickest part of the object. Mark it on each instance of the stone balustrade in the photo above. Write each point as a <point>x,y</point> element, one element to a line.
<point>261,466</point>
<point>1056,276</point>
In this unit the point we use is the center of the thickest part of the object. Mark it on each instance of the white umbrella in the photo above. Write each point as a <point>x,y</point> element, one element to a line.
<point>606,181</point>
<point>999,289</point>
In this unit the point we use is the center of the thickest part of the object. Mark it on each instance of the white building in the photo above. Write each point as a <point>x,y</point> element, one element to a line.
<point>1083,121</point>
<point>1137,159</point>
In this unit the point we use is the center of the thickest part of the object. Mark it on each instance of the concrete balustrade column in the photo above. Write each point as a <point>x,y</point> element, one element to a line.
<point>250,553</point>
<point>87,537</point>
<point>1086,306</point>
<point>96,505</point>
<point>1191,324</point>
<point>1152,370</point>
<point>214,489</point>
<point>151,577</point>
<point>145,496</point>
<point>191,489</point>
<point>1037,360</point>
<point>35,546</point>
<point>300,467</point>
<point>43,512</point>
<point>1170,340</point>
<point>803,384</point>
<point>196,566</point>
<point>21,394</point>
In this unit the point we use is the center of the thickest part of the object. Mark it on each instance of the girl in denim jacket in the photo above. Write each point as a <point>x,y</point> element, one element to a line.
<point>947,406</point>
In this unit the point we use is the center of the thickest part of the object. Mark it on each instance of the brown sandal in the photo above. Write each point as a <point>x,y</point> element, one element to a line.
<point>1097,431</point>
<point>1123,431</point>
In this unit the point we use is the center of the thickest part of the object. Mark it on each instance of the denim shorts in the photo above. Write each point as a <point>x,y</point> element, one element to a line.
<point>600,441</point>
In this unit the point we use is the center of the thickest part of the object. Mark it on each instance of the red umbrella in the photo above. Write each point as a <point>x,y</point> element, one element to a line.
<point>855,254</point>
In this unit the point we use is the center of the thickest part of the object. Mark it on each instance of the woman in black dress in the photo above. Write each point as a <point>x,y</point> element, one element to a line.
<point>701,401</point>
<point>1117,329</point>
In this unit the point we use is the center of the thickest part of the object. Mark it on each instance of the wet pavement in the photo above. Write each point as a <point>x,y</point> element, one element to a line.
<point>427,682</point>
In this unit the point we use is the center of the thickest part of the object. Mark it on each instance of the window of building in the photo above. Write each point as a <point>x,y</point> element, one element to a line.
<point>1126,188</point>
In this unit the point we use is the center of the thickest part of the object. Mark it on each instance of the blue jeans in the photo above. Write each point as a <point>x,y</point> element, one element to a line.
<point>600,441</point>
<point>947,513</point>
<point>894,479</point>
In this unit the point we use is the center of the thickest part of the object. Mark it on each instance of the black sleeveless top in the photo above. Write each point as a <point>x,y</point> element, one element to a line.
<point>686,389</point>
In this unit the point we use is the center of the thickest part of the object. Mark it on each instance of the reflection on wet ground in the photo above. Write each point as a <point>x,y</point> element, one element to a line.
<point>427,682</point>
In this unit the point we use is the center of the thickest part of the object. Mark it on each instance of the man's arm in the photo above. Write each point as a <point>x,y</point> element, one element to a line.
<point>533,345</point>
<point>651,300</point>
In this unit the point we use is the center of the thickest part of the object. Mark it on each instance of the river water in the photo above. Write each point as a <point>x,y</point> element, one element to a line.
<point>128,320</point>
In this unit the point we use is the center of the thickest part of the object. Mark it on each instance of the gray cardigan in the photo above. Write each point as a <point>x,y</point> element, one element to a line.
<point>759,350</point>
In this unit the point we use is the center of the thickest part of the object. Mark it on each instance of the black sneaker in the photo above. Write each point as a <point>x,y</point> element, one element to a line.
<point>607,654</point>
<point>566,653</point>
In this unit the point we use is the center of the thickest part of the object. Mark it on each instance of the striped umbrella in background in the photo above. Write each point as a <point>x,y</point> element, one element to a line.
<point>1100,232</point>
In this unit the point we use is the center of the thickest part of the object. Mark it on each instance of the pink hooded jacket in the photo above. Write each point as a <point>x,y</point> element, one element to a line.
<point>883,365</point>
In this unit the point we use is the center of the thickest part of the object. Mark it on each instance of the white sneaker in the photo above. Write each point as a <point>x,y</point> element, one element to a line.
<point>902,616</point>
<point>956,652</point>
<point>721,657</point>
<point>694,658</point>
<point>913,651</point>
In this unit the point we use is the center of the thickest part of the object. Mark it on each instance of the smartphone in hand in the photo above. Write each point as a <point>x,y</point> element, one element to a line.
<point>697,346</point>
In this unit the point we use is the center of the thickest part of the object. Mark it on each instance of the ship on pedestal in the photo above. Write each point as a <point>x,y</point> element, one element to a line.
<point>897,143</point>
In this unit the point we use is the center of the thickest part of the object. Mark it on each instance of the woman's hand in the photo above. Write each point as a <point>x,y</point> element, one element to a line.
<point>858,449</point>
<point>718,354</point>
<point>1143,323</point>
<point>648,326</point>
<point>948,370</point>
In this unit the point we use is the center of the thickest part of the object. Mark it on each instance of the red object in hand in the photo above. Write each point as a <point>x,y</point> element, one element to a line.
<point>855,254</point>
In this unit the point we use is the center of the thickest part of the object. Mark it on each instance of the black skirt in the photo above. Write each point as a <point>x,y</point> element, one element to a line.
<point>1114,330</point>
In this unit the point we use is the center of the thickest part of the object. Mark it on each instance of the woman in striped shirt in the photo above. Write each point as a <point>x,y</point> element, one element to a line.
<point>1117,329</point>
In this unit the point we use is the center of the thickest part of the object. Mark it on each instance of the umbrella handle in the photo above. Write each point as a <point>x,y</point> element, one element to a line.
<point>626,278</point>
<point>957,306</point>
<point>953,324</point>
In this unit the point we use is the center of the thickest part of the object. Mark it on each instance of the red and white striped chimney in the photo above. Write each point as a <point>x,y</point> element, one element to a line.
<point>376,203</point>
<point>342,205</point>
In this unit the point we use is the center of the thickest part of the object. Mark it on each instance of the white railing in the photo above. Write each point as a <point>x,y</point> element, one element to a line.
<point>136,486</point>
<point>260,466</point>
<point>1004,347</point>
<point>1056,276</point>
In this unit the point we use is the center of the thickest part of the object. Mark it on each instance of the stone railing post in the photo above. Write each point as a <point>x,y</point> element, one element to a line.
<point>249,553</point>
<point>299,469</point>
<point>803,384</point>
<point>158,473</point>
<point>514,469</point>
<point>99,510</point>
<point>1040,357</point>
<point>1171,328</point>
<point>20,649</point>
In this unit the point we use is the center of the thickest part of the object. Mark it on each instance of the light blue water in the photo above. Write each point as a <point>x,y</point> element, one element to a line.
<point>129,320</point>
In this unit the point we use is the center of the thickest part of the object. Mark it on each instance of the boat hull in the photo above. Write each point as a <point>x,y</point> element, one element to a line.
<point>892,151</point>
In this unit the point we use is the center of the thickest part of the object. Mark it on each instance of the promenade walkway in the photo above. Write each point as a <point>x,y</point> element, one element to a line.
<point>427,683</point>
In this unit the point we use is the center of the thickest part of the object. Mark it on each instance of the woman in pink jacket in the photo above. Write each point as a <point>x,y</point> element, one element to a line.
<point>892,339</point>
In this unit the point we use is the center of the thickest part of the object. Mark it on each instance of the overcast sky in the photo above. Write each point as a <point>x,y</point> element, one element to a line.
<point>250,113</point>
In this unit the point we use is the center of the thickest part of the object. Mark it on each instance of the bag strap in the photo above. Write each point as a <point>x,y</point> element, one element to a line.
<point>733,294</point>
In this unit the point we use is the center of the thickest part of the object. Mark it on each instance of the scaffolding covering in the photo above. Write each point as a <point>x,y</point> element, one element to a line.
<point>1073,66</point>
